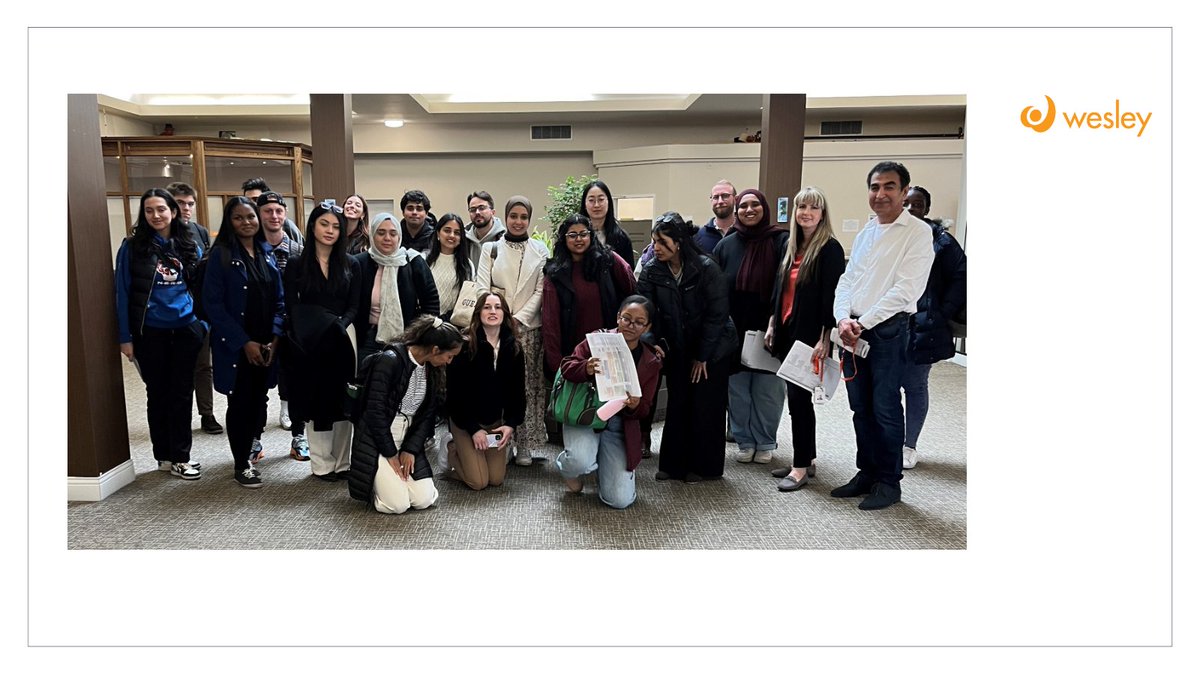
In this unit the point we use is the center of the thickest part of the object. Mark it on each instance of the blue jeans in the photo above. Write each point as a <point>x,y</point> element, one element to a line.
<point>874,394</point>
<point>586,451</point>
<point>916,401</point>
<point>755,408</point>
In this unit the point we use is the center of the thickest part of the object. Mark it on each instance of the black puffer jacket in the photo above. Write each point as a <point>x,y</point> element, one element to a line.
<point>386,381</point>
<point>691,320</point>
<point>930,340</point>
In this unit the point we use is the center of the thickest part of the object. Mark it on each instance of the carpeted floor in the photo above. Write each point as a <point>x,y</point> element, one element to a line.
<point>532,510</point>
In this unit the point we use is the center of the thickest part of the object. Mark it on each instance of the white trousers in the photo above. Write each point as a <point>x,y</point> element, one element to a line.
<point>396,495</point>
<point>329,451</point>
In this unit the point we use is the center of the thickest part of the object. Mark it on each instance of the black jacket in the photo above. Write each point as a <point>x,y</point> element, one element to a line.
<point>623,245</point>
<point>691,320</point>
<point>945,294</point>
<point>812,304</point>
<point>479,394</point>
<point>421,242</point>
<point>418,291</point>
<point>387,380</point>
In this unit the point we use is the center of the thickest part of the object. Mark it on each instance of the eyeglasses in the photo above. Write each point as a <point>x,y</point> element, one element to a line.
<point>597,200</point>
<point>478,209</point>
<point>721,196</point>
<point>578,235</point>
<point>331,205</point>
<point>630,321</point>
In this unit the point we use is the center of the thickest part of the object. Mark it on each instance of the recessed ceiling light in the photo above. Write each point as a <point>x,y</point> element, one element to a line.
<point>394,124</point>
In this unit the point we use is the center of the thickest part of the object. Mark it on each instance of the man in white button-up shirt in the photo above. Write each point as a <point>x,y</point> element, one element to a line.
<point>889,266</point>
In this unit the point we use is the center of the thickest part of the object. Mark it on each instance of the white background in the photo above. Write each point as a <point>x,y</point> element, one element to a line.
<point>1071,242</point>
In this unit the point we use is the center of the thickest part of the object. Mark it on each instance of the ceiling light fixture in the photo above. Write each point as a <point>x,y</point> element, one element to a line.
<point>393,124</point>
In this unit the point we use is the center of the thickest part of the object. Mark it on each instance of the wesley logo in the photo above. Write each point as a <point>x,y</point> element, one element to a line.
<point>1035,119</point>
<point>1114,119</point>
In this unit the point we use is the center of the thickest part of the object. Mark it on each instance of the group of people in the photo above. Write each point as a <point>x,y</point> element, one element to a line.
<point>381,330</point>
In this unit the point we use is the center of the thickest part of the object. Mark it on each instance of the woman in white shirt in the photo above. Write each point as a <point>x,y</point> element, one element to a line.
<point>512,267</point>
<point>450,262</point>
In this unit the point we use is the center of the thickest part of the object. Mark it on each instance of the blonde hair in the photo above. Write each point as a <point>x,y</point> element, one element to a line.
<point>821,236</point>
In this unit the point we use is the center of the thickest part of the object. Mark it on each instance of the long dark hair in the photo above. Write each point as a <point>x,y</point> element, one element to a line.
<point>430,331</point>
<point>226,235</point>
<point>180,234</point>
<point>611,226</point>
<point>672,226</point>
<point>462,259</point>
<point>593,258</point>
<point>475,327</point>
<point>311,280</point>
<point>363,227</point>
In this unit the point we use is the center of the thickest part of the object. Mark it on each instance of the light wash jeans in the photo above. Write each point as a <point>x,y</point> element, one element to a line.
<point>587,451</point>
<point>916,400</point>
<point>755,408</point>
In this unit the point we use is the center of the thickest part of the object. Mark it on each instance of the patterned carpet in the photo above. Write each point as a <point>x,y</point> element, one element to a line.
<point>532,510</point>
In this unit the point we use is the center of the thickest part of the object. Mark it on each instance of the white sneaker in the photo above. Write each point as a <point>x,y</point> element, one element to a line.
<point>745,456</point>
<point>763,457</point>
<point>910,457</point>
<point>523,457</point>
<point>285,420</point>
<point>185,471</point>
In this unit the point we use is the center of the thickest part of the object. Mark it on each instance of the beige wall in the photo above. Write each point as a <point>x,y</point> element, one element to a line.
<point>681,177</point>
<point>448,179</point>
<point>114,124</point>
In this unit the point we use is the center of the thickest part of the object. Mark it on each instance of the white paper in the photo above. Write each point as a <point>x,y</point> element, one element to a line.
<point>617,377</point>
<point>797,368</point>
<point>755,355</point>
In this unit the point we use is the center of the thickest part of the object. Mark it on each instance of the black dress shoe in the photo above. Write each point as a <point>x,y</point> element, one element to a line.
<point>692,478</point>
<point>882,496</point>
<point>857,487</point>
<point>210,425</point>
<point>330,477</point>
<point>662,475</point>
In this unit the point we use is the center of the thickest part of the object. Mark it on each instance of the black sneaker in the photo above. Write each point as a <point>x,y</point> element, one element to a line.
<point>185,471</point>
<point>248,477</point>
<point>857,487</point>
<point>210,424</point>
<point>882,496</point>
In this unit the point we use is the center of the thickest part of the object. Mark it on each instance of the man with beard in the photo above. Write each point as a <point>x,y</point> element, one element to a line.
<point>718,226</point>
<point>485,224</point>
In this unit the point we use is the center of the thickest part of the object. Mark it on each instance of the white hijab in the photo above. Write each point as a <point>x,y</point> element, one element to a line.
<point>391,314</point>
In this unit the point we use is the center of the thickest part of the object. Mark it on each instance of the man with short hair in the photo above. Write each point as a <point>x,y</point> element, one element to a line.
<point>416,233</point>
<point>887,273</point>
<point>485,224</point>
<point>185,197</point>
<point>717,227</point>
<point>254,188</point>
<point>272,209</point>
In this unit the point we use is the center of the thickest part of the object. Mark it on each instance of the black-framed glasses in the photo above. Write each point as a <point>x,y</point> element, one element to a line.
<point>630,321</point>
<point>578,235</point>
<point>331,205</point>
<point>478,209</point>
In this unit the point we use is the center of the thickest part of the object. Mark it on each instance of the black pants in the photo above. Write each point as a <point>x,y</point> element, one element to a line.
<point>297,424</point>
<point>166,359</point>
<point>246,414</point>
<point>693,439</point>
<point>804,426</point>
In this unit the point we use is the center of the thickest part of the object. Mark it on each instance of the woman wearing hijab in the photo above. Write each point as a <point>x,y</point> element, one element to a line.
<point>512,268</point>
<point>397,288</point>
<point>750,256</point>
<point>321,292</point>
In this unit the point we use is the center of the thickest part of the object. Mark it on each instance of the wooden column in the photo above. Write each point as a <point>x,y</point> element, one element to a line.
<point>333,146</point>
<point>99,439</point>
<point>781,164</point>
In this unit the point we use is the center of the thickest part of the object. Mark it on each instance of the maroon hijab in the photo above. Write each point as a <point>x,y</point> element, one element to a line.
<point>759,264</point>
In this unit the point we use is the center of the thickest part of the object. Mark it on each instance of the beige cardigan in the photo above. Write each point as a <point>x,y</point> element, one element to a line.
<point>525,300</point>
